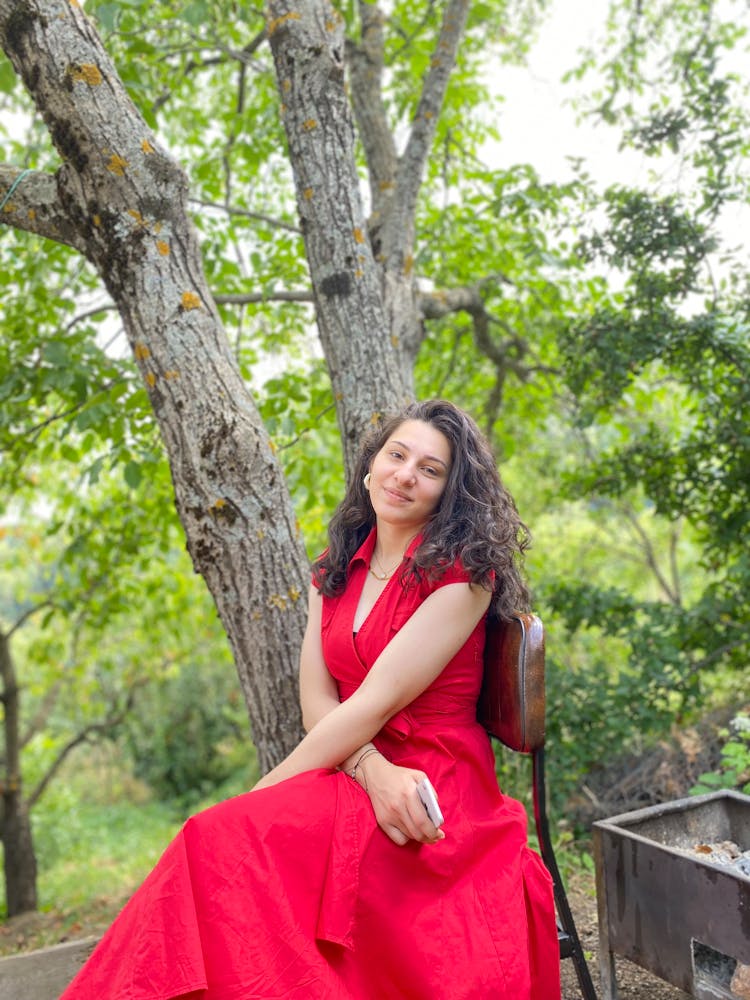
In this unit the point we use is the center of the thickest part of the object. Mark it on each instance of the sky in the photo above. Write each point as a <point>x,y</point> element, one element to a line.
<point>538,123</point>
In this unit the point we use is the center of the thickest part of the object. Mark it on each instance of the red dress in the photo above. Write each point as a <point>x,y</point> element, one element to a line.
<point>293,891</point>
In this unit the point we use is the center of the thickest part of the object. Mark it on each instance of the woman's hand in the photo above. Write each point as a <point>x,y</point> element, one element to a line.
<point>397,806</point>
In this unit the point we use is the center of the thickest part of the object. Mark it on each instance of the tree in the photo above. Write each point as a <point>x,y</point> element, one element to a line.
<point>656,362</point>
<point>118,199</point>
<point>124,209</point>
<point>426,271</point>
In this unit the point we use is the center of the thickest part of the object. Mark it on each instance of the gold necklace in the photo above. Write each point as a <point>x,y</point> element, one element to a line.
<point>387,574</point>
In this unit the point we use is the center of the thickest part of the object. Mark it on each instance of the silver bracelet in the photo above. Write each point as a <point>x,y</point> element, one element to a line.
<point>368,751</point>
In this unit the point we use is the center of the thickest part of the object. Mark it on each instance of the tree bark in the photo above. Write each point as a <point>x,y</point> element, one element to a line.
<point>15,825</point>
<point>307,41</point>
<point>396,180</point>
<point>122,201</point>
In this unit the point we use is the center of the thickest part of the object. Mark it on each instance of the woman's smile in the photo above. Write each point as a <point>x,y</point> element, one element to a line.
<point>397,495</point>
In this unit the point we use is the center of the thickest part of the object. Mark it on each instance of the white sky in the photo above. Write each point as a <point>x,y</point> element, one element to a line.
<point>538,123</point>
<point>540,126</point>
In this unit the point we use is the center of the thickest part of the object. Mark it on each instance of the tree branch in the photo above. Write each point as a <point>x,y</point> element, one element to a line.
<point>24,617</point>
<point>365,63</point>
<point>464,298</point>
<point>103,729</point>
<point>306,430</point>
<point>468,299</point>
<point>88,313</point>
<point>39,720</point>
<point>648,550</point>
<point>257,216</point>
<point>243,56</point>
<point>399,230</point>
<point>251,298</point>
<point>34,206</point>
<point>34,431</point>
<point>674,538</point>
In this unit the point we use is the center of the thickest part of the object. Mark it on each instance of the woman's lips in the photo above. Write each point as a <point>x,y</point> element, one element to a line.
<point>396,495</point>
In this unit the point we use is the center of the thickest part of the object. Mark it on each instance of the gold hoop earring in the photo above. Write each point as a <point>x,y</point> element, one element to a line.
<point>366,481</point>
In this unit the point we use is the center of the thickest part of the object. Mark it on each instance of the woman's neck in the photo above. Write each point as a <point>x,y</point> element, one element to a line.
<point>392,542</point>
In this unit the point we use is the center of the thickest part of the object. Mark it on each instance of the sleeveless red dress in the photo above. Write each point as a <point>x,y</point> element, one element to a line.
<point>293,891</point>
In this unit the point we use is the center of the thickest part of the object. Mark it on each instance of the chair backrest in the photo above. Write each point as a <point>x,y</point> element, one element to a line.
<point>511,705</point>
<point>511,708</point>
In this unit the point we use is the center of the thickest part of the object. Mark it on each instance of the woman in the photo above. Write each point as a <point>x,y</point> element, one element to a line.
<point>329,879</point>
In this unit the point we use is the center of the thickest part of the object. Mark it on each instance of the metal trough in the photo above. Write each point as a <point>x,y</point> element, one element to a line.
<point>672,911</point>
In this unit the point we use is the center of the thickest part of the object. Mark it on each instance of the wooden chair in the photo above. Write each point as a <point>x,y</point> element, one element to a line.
<point>511,708</point>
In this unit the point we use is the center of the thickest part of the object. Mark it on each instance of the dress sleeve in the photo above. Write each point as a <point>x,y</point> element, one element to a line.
<point>456,573</point>
<point>453,574</point>
<point>313,581</point>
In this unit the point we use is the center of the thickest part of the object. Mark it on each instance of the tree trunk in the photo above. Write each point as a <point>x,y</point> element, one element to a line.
<point>15,825</point>
<point>307,41</point>
<point>19,855</point>
<point>126,201</point>
<point>121,201</point>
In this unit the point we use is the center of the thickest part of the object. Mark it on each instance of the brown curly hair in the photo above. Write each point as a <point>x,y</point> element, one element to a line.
<point>476,520</point>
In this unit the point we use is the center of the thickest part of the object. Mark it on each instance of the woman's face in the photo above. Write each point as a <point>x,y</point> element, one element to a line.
<point>409,474</point>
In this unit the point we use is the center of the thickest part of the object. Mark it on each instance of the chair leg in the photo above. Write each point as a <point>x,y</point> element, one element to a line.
<point>570,945</point>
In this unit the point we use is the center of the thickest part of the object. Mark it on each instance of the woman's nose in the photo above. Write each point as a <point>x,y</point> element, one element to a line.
<point>406,474</point>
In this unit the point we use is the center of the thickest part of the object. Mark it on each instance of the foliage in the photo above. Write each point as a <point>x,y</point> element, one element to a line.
<point>656,370</point>
<point>190,733</point>
<point>119,611</point>
<point>300,418</point>
<point>498,360</point>
<point>734,766</point>
<point>101,830</point>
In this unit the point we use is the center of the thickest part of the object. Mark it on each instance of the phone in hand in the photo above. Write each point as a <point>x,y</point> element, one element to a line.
<point>429,800</point>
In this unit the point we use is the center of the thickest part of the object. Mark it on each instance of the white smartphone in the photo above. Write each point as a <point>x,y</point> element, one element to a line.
<point>429,800</point>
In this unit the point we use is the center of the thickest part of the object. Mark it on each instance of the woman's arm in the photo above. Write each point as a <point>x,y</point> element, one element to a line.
<point>409,663</point>
<point>318,693</point>
<point>317,689</point>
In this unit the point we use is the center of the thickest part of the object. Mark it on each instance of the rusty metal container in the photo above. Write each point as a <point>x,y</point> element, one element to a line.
<point>665,908</point>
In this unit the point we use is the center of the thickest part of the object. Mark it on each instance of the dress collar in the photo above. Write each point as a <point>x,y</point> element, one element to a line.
<point>364,552</point>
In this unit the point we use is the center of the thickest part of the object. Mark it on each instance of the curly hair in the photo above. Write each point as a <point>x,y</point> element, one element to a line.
<point>476,520</point>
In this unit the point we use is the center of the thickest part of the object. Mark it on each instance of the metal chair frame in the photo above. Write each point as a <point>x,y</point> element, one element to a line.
<point>511,708</point>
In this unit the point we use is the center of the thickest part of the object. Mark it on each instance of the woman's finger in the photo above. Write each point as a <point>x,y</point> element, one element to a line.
<point>396,835</point>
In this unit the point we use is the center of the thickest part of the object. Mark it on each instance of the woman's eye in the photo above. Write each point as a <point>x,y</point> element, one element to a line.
<point>430,471</point>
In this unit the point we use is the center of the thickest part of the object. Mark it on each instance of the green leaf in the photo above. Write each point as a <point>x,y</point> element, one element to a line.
<point>195,13</point>
<point>8,78</point>
<point>56,352</point>
<point>108,15</point>
<point>133,473</point>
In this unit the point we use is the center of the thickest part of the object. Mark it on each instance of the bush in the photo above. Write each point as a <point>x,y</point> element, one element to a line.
<point>190,735</point>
